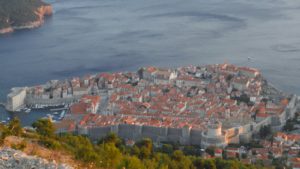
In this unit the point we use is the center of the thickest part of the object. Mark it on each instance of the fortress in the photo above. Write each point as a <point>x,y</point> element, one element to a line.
<point>216,134</point>
<point>213,136</point>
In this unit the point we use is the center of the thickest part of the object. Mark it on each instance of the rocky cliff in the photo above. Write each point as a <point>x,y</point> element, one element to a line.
<point>12,159</point>
<point>23,14</point>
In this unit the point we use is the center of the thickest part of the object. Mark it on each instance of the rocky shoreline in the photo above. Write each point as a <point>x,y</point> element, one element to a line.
<point>6,30</point>
<point>41,12</point>
<point>11,159</point>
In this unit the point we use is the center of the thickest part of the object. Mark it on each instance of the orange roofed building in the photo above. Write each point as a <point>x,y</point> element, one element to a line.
<point>87,104</point>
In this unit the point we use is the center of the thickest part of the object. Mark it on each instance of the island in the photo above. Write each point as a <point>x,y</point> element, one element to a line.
<point>22,14</point>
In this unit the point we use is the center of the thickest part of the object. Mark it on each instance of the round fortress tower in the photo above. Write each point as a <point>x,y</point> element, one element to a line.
<point>213,136</point>
<point>214,128</point>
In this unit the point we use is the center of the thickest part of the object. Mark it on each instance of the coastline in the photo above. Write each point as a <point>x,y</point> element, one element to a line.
<point>66,98</point>
<point>41,12</point>
<point>38,101</point>
<point>6,30</point>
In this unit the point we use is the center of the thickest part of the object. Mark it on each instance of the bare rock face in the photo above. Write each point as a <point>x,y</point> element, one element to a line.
<point>14,159</point>
<point>45,10</point>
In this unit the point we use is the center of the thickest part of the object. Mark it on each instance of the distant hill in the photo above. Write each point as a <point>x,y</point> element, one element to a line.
<point>20,14</point>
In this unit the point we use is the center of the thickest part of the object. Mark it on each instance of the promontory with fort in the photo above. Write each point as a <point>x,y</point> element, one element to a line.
<point>219,108</point>
<point>22,14</point>
<point>203,105</point>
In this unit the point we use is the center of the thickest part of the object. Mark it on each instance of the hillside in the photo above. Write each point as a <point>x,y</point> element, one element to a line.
<point>27,152</point>
<point>11,158</point>
<point>21,14</point>
<point>110,152</point>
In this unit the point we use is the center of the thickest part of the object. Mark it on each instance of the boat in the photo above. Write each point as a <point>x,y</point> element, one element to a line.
<point>250,59</point>
<point>62,114</point>
<point>55,113</point>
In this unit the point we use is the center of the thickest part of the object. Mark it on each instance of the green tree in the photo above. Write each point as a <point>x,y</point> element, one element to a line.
<point>210,150</point>
<point>177,155</point>
<point>180,161</point>
<point>110,155</point>
<point>190,150</point>
<point>265,131</point>
<point>289,126</point>
<point>131,163</point>
<point>167,148</point>
<point>44,127</point>
<point>135,150</point>
<point>87,154</point>
<point>150,163</point>
<point>50,143</point>
<point>146,142</point>
<point>13,128</point>
<point>145,147</point>
<point>198,163</point>
<point>231,164</point>
<point>209,164</point>
<point>163,160</point>
<point>111,138</point>
<point>145,153</point>
<point>244,155</point>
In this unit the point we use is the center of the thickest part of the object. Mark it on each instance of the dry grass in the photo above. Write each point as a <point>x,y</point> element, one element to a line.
<point>33,148</point>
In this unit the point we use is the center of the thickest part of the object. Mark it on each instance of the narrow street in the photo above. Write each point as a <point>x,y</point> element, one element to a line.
<point>103,102</point>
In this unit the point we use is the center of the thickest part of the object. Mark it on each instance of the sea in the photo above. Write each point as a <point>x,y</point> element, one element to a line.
<point>92,36</point>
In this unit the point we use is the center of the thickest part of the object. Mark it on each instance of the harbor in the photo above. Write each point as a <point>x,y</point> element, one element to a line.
<point>27,118</point>
<point>29,114</point>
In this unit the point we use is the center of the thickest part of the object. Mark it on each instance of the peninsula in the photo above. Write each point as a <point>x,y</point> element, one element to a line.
<point>221,106</point>
<point>187,100</point>
<point>22,14</point>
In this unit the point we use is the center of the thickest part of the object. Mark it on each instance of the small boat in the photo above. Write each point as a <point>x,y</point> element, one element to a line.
<point>55,113</point>
<point>27,111</point>
<point>3,121</point>
<point>62,114</point>
<point>250,59</point>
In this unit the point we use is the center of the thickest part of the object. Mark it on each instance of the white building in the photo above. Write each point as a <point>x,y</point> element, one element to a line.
<point>16,99</point>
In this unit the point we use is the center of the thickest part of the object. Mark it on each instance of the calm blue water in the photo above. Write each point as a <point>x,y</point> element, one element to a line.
<point>84,37</point>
